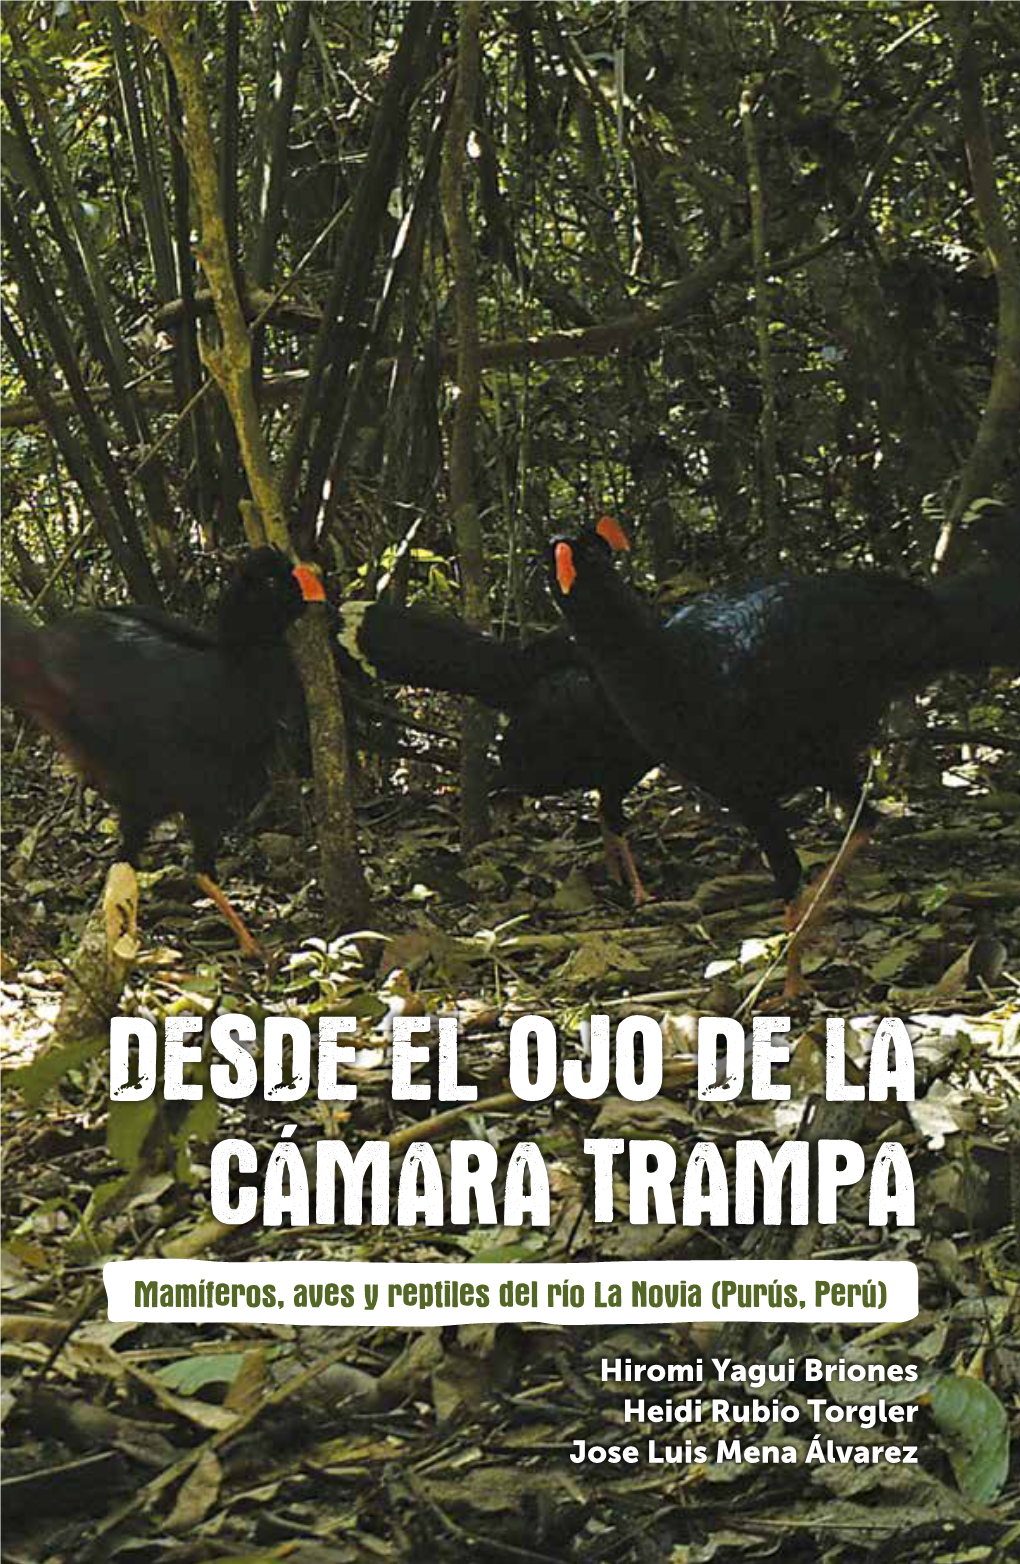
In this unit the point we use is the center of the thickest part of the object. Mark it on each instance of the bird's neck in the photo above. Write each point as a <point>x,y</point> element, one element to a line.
<point>611,616</point>
<point>240,626</point>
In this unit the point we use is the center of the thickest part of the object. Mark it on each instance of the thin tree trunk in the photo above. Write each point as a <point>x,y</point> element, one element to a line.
<point>88,286</point>
<point>995,441</point>
<point>231,366</point>
<point>134,567</point>
<point>186,354</point>
<point>338,338</point>
<point>768,482</point>
<point>28,267</point>
<point>405,261</point>
<point>274,174</point>
<point>157,229</point>
<point>275,167</point>
<point>157,224</point>
<point>231,485</point>
<point>477,722</point>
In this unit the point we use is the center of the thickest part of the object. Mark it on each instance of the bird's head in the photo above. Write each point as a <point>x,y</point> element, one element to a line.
<point>266,596</point>
<point>585,557</point>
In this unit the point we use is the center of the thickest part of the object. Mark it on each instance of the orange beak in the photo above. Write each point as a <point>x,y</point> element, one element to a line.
<point>312,589</point>
<point>566,570</point>
<point>612,533</point>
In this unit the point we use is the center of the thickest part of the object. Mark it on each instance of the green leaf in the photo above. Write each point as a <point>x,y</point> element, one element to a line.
<point>127,1126</point>
<point>191,1375</point>
<point>40,1077</point>
<point>973,1423</point>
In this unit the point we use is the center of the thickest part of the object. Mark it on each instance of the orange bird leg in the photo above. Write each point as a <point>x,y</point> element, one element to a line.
<point>611,847</point>
<point>803,915</point>
<point>630,872</point>
<point>248,943</point>
<point>620,862</point>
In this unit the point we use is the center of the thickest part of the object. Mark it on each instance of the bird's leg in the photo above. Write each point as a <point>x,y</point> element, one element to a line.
<point>205,839</point>
<point>804,913</point>
<point>611,847</point>
<point>630,873</point>
<point>246,940</point>
<point>134,829</point>
<point>620,861</point>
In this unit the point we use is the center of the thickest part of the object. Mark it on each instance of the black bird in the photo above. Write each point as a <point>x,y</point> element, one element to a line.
<point>753,694</point>
<point>562,731</point>
<point>162,717</point>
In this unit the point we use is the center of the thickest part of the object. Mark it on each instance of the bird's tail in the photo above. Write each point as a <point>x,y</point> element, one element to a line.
<point>981,605</point>
<point>25,684</point>
<point>430,651</point>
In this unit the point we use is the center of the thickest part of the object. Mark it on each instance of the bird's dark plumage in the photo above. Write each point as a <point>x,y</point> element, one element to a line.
<point>753,694</point>
<point>160,716</point>
<point>562,731</point>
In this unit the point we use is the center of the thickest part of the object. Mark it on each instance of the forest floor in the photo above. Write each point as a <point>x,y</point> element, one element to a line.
<point>451,1444</point>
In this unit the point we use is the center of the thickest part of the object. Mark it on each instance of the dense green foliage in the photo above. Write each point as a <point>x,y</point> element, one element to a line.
<point>610,170</point>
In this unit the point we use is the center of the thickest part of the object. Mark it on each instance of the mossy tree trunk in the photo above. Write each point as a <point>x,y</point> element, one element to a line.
<point>230,364</point>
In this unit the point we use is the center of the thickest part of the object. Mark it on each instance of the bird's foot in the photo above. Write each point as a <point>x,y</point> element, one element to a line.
<point>248,945</point>
<point>783,1003</point>
<point>804,915</point>
<point>796,987</point>
<point>637,891</point>
<point>249,948</point>
<point>611,848</point>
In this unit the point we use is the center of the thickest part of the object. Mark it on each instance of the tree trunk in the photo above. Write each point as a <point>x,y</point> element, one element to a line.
<point>995,441</point>
<point>231,366</point>
<point>476,729</point>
